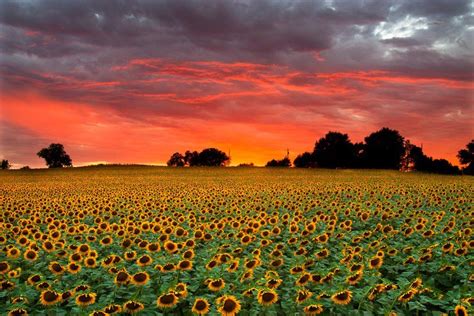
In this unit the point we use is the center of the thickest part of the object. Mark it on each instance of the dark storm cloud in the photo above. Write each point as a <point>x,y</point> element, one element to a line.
<point>287,32</point>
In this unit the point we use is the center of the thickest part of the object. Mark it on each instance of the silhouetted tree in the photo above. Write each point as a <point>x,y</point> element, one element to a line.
<point>384,149</point>
<point>443,166</point>
<point>55,156</point>
<point>421,161</point>
<point>428,164</point>
<point>25,168</point>
<point>466,157</point>
<point>305,160</point>
<point>334,150</point>
<point>285,162</point>
<point>210,157</point>
<point>191,158</point>
<point>213,157</point>
<point>5,164</point>
<point>359,155</point>
<point>176,160</point>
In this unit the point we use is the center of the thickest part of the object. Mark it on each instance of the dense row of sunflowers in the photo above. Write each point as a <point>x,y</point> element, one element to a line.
<point>284,242</point>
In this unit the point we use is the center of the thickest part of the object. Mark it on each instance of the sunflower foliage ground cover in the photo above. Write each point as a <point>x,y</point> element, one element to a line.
<point>252,241</point>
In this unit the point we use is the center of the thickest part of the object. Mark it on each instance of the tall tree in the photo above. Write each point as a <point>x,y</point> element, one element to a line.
<point>466,157</point>
<point>55,156</point>
<point>384,149</point>
<point>5,164</point>
<point>334,150</point>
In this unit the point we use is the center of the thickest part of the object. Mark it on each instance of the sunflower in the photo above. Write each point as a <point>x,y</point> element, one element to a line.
<point>73,268</point>
<point>274,283</point>
<point>247,275</point>
<point>375,262</point>
<point>99,313</point>
<point>171,247</point>
<point>81,288</point>
<point>215,285</point>
<point>49,297</point>
<point>133,307</point>
<point>229,305</point>
<point>234,265</point>
<point>342,298</point>
<point>90,262</point>
<point>460,310</point>
<point>130,255</point>
<point>303,295</point>
<point>20,300</point>
<point>181,290</point>
<point>7,285</point>
<point>185,265</point>
<point>417,283</point>
<point>267,297</point>
<point>169,267</point>
<point>303,279</point>
<point>249,292</point>
<point>18,312</point>
<point>322,253</point>
<point>56,268</point>
<point>200,306</point>
<point>354,278</point>
<point>407,296</point>
<point>113,309</point>
<point>75,257</point>
<point>167,300</point>
<point>85,299</point>
<point>13,253</point>
<point>122,277</point>
<point>144,260</point>
<point>188,254</point>
<point>314,309</point>
<point>30,255</point>
<point>4,267</point>
<point>140,278</point>
<point>14,273</point>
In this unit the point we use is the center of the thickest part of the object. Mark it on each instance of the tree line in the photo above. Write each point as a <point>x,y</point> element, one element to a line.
<point>383,149</point>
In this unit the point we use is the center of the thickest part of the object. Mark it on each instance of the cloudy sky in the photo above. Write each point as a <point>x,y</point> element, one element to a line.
<point>135,81</point>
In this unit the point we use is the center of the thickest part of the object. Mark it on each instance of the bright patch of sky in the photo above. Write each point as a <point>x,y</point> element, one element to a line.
<point>404,28</point>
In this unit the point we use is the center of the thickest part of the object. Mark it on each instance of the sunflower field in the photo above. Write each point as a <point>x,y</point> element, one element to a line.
<point>227,241</point>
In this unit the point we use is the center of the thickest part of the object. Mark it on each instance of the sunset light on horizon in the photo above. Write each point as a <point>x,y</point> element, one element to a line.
<point>134,82</point>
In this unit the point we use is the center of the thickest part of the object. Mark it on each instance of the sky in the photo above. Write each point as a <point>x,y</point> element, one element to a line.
<point>135,81</point>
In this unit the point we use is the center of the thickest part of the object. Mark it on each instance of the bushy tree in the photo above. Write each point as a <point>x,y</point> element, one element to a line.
<point>442,166</point>
<point>305,160</point>
<point>213,157</point>
<point>209,157</point>
<point>384,149</point>
<point>55,156</point>
<point>191,158</point>
<point>285,162</point>
<point>5,164</point>
<point>466,157</point>
<point>334,150</point>
<point>428,164</point>
<point>176,160</point>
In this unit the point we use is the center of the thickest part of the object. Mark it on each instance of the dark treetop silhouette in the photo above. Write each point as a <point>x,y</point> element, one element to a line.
<point>55,156</point>
<point>466,157</point>
<point>209,157</point>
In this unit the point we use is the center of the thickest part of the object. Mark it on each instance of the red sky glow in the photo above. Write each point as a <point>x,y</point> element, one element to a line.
<point>135,83</point>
